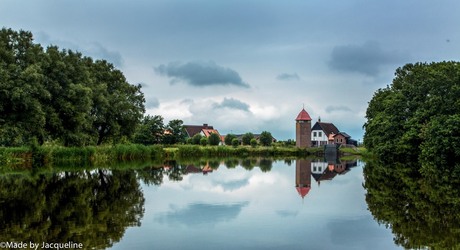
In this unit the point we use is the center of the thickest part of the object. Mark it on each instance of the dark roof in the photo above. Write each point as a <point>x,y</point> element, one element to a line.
<point>344,134</point>
<point>328,128</point>
<point>195,129</point>
<point>303,116</point>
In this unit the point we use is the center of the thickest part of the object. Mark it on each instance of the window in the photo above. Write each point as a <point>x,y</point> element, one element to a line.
<point>320,134</point>
<point>314,134</point>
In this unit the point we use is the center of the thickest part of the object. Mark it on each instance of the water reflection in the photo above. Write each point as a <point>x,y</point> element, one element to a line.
<point>422,210</point>
<point>320,170</point>
<point>89,207</point>
<point>253,200</point>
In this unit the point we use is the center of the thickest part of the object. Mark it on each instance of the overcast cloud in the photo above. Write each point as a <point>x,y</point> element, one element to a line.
<point>200,73</point>
<point>248,66</point>
<point>367,59</point>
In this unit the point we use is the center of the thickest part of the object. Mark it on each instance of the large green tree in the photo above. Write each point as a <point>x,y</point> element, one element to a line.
<point>266,138</point>
<point>150,131</point>
<point>417,115</point>
<point>62,95</point>
<point>175,132</point>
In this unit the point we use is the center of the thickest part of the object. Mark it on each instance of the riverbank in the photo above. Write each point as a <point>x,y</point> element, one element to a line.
<point>49,156</point>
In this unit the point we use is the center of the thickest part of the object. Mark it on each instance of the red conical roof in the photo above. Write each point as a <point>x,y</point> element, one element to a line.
<point>303,191</point>
<point>303,116</point>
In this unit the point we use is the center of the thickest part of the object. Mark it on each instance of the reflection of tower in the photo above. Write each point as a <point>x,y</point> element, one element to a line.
<point>303,130</point>
<point>303,176</point>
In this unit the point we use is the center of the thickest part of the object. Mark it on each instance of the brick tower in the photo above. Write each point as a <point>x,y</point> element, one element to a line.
<point>303,130</point>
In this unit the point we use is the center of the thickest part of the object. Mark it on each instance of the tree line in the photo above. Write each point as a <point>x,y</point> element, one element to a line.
<point>417,117</point>
<point>60,95</point>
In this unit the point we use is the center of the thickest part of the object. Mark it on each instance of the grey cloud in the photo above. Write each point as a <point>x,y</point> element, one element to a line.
<point>199,73</point>
<point>94,49</point>
<point>152,103</point>
<point>233,104</point>
<point>202,213</point>
<point>330,109</point>
<point>288,77</point>
<point>367,59</point>
<point>97,50</point>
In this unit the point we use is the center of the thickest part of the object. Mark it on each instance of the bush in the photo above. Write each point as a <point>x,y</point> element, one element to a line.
<point>214,139</point>
<point>247,138</point>
<point>235,142</point>
<point>229,138</point>
<point>253,142</point>
<point>204,141</point>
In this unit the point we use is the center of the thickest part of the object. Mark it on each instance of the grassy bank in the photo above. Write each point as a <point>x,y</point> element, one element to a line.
<point>51,156</point>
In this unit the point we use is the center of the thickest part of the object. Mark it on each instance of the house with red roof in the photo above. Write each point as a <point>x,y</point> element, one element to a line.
<point>205,130</point>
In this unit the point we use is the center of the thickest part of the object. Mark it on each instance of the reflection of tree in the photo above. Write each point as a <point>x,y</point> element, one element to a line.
<point>266,165</point>
<point>422,211</point>
<point>151,175</point>
<point>89,207</point>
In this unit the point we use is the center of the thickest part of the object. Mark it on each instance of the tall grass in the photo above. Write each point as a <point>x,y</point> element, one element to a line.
<point>109,155</point>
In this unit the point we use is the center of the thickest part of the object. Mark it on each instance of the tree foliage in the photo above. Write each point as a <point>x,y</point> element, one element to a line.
<point>175,132</point>
<point>266,138</point>
<point>417,115</point>
<point>214,139</point>
<point>246,139</point>
<point>61,95</point>
<point>229,138</point>
<point>150,131</point>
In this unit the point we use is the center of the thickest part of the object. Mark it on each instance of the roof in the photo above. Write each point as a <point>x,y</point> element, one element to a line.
<point>303,116</point>
<point>195,129</point>
<point>208,132</point>
<point>303,191</point>
<point>344,134</point>
<point>326,127</point>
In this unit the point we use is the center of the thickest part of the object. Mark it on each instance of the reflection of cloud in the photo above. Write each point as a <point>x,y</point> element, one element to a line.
<point>234,185</point>
<point>288,77</point>
<point>341,231</point>
<point>287,213</point>
<point>198,73</point>
<point>233,104</point>
<point>201,213</point>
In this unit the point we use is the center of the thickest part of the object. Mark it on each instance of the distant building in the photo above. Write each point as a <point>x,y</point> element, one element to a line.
<point>303,130</point>
<point>205,130</point>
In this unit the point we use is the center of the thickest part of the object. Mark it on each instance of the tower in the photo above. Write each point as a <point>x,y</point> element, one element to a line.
<point>303,176</point>
<point>303,130</point>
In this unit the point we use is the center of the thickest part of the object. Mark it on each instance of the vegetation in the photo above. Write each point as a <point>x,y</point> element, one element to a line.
<point>417,117</point>
<point>214,139</point>
<point>60,95</point>
<point>247,138</point>
<point>266,138</point>
<point>229,138</point>
<point>420,208</point>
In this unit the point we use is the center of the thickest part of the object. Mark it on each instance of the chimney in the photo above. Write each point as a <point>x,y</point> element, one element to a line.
<point>205,125</point>
<point>319,118</point>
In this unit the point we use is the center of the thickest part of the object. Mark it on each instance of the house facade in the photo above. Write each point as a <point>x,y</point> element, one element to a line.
<point>322,133</point>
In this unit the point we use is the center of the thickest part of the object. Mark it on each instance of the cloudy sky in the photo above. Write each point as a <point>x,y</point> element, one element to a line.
<point>248,66</point>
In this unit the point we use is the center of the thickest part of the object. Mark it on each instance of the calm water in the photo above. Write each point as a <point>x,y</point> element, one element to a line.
<point>251,209</point>
<point>252,204</point>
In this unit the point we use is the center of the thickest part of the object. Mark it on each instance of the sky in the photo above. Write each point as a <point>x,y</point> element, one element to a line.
<point>250,65</point>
